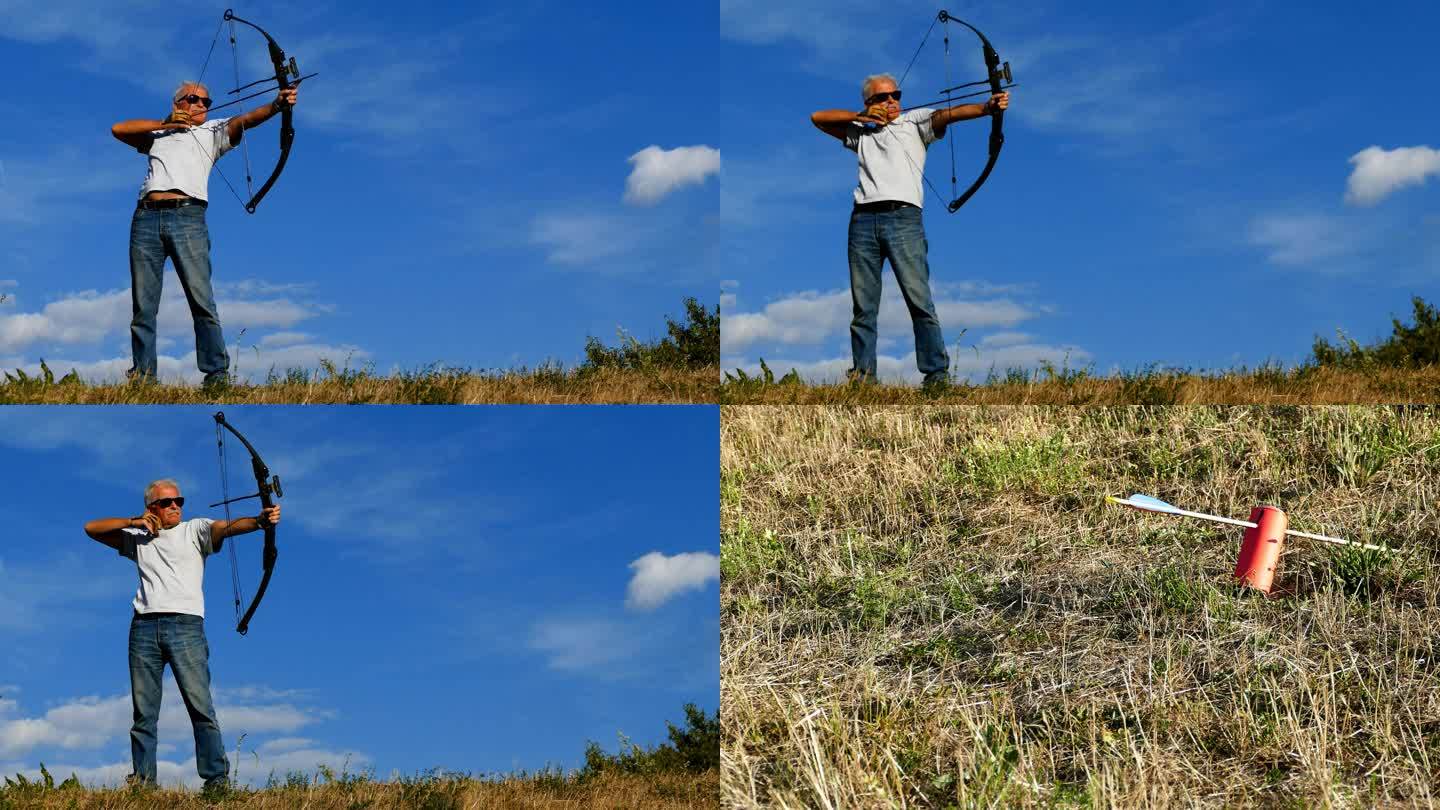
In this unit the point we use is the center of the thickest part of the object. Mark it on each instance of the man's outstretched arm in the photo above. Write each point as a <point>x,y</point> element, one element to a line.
<point>965,112</point>
<point>236,126</point>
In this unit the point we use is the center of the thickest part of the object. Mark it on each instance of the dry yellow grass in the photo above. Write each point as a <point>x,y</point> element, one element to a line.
<point>439,387</point>
<point>608,791</point>
<point>935,608</point>
<point>1310,386</point>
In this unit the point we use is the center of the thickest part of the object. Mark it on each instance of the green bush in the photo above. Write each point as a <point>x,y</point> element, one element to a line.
<point>694,344</point>
<point>693,749</point>
<point>1408,347</point>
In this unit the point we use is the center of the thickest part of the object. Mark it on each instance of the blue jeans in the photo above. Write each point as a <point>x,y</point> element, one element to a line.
<point>180,234</point>
<point>900,237</point>
<point>179,640</point>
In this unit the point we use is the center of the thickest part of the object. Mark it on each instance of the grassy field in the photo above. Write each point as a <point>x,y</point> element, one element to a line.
<point>1307,385</point>
<point>683,367</point>
<point>430,387</point>
<point>935,608</point>
<point>539,792</point>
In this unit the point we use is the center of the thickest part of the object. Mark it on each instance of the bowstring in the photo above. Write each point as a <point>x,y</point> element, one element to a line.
<point>245,142</point>
<point>225,496</point>
<point>212,155</point>
<point>901,86</point>
<point>949,102</point>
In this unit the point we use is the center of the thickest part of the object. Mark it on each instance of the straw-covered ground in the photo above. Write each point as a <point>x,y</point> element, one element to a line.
<point>546,791</point>
<point>438,386</point>
<point>935,607</point>
<point>1305,385</point>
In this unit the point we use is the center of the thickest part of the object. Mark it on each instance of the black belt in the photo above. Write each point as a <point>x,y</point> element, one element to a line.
<point>177,202</point>
<point>882,206</point>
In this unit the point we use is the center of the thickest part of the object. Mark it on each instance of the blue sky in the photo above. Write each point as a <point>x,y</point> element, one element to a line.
<point>471,589</point>
<point>480,186</point>
<point>1196,186</point>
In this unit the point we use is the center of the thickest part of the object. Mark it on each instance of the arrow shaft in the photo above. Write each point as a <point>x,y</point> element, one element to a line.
<point>1213,518</point>
<point>1173,510</point>
<point>1335,540</point>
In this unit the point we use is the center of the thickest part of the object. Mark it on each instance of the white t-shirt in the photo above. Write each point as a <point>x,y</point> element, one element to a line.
<point>181,159</point>
<point>171,565</point>
<point>892,158</point>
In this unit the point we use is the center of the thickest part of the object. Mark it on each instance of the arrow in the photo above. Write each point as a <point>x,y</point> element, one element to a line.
<point>1146,503</point>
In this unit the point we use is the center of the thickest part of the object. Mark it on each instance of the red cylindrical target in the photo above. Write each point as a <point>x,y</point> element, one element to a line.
<point>1260,551</point>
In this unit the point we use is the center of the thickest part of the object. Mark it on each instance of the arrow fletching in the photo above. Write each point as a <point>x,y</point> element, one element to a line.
<point>1145,503</point>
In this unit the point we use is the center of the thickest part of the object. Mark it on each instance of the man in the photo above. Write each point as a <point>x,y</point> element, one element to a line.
<point>886,222</point>
<point>170,220</point>
<point>168,624</point>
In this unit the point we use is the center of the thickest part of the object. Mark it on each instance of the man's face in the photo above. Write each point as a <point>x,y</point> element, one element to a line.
<point>884,93</point>
<point>194,100</point>
<point>165,503</point>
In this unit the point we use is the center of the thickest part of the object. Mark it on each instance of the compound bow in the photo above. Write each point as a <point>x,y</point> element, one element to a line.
<point>996,74</point>
<point>267,485</point>
<point>287,75</point>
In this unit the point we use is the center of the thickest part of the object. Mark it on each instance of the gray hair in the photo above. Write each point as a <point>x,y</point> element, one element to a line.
<point>154,485</point>
<point>869,80</point>
<point>178,90</point>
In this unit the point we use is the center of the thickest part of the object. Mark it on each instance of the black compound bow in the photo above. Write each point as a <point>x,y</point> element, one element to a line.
<point>997,74</point>
<point>267,485</point>
<point>287,75</point>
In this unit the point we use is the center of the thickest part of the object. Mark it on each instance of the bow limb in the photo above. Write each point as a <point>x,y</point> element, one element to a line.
<point>283,70</point>
<point>268,486</point>
<point>270,554</point>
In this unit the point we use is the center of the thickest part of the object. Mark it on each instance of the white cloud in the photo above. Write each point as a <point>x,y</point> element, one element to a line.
<point>582,645</point>
<point>1303,239</point>
<point>658,172</point>
<point>659,578</point>
<point>583,238</point>
<point>1379,173</point>
<point>90,318</point>
<point>824,26</point>
<point>96,723</point>
<point>36,600</point>
<point>43,188</point>
<point>814,318</point>
<point>85,722</point>
<point>93,722</point>
<point>998,353</point>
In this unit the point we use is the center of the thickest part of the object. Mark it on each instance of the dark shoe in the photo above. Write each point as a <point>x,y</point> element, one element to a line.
<point>134,377</point>
<point>216,383</point>
<point>856,377</point>
<point>935,384</point>
<point>216,789</point>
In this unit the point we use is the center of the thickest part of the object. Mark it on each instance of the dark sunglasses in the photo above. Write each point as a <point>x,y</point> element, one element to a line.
<point>881,98</point>
<point>194,99</point>
<point>164,503</point>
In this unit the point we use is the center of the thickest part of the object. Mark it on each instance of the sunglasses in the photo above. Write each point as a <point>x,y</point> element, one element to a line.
<point>881,98</point>
<point>194,99</point>
<point>164,503</point>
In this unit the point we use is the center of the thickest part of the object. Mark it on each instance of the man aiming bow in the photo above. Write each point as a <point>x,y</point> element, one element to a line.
<point>886,222</point>
<point>168,624</point>
<point>169,219</point>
